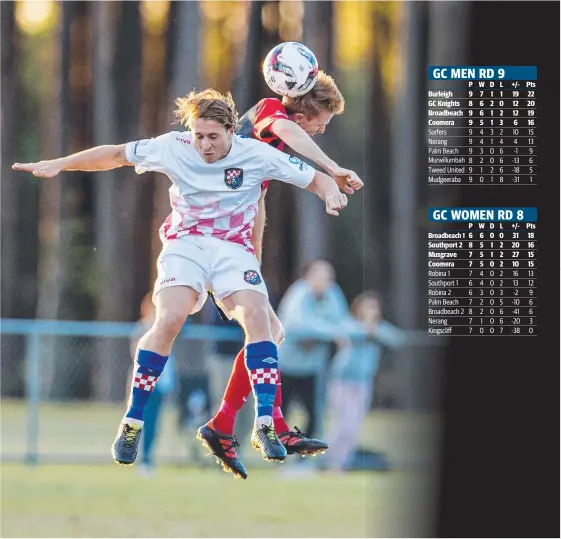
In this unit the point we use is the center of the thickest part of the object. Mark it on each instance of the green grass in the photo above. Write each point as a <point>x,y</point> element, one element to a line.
<point>78,428</point>
<point>103,500</point>
<point>108,501</point>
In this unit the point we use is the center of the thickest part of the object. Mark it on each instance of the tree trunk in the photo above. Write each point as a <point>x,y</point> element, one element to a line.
<point>377,190</point>
<point>74,285</point>
<point>49,266</point>
<point>250,87</point>
<point>182,74</point>
<point>408,235</point>
<point>127,75</point>
<point>109,360</point>
<point>10,187</point>
<point>11,347</point>
<point>117,64</point>
<point>311,220</point>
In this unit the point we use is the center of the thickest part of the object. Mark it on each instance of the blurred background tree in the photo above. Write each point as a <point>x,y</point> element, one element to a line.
<point>77,74</point>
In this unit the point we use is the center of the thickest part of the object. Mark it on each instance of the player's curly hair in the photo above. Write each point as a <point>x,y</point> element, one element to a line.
<point>324,96</point>
<point>208,104</point>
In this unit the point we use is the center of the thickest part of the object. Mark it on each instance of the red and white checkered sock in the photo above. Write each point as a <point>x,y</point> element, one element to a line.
<point>261,363</point>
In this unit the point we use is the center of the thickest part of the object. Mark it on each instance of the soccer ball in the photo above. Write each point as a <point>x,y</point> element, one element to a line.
<point>290,69</point>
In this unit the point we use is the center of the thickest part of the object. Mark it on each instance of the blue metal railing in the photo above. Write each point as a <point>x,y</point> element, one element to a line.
<point>33,330</point>
<point>107,329</point>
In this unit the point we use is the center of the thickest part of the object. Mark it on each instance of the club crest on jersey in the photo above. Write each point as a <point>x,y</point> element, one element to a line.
<point>233,177</point>
<point>252,277</point>
<point>296,161</point>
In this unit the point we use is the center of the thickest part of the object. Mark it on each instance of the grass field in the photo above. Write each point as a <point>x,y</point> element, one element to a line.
<point>103,500</point>
<point>107,501</point>
<point>77,429</point>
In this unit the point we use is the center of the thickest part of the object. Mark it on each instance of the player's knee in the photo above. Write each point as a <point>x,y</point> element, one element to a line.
<point>169,323</point>
<point>277,331</point>
<point>256,320</point>
<point>279,338</point>
<point>256,314</point>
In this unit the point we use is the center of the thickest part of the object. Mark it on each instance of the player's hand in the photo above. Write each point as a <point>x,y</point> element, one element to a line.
<point>334,202</point>
<point>42,169</point>
<point>347,180</point>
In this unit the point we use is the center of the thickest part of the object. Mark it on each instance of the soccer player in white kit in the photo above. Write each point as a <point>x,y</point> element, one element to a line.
<point>216,180</point>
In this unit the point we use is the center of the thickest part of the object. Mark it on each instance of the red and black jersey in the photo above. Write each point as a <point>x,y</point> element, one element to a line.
<point>256,122</point>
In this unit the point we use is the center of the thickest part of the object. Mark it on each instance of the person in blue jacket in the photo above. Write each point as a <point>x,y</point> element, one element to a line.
<point>311,312</point>
<point>352,375</point>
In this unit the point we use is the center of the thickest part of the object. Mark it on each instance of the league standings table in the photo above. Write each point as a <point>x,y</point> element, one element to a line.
<point>482,126</point>
<point>482,261</point>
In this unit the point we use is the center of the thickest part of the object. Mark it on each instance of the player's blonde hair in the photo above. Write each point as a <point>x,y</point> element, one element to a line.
<point>324,96</point>
<point>209,105</point>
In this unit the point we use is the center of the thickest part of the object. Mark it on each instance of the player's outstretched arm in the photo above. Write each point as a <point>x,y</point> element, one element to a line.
<point>326,189</point>
<point>293,135</point>
<point>94,159</point>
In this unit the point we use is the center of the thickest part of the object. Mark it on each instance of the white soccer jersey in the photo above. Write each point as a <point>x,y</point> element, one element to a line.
<point>218,199</point>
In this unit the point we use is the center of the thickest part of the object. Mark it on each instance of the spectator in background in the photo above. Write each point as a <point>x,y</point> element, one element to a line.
<point>161,390</point>
<point>313,306</point>
<point>352,375</point>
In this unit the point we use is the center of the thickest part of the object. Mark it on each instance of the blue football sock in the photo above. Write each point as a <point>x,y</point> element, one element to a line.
<point>148,368</point>
<point>261,361</point>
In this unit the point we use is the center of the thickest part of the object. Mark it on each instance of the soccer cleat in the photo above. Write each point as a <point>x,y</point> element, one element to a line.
<point>295,441</point>
<point>223,447</point>
<point>264,439</point>
<point>125,446</point>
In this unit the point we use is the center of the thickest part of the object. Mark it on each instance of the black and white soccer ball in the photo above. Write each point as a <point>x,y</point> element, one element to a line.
<point>290,69</point>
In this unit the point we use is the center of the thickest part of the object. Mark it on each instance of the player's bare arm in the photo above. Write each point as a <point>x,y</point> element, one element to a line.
<point>95,159</point>
<point>259,227</point>
<point>291,133</point>
<point>325,188</point>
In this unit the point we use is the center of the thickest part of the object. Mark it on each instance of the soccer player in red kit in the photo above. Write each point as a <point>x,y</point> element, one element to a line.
<point>292,122</point>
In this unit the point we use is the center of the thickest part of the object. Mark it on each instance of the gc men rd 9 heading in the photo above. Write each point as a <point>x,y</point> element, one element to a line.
<point>482,125</point>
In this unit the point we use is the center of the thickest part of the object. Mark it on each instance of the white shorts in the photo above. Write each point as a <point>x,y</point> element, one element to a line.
<point>208,264</point>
